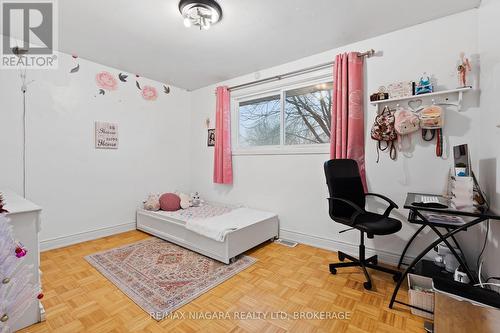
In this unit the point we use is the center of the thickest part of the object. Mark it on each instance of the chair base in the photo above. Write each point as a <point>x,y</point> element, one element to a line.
<point>371,262</point>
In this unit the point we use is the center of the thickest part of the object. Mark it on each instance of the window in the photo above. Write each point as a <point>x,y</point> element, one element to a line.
<point>260,122</point>
<point>308,115</point>
<point>289,117</point>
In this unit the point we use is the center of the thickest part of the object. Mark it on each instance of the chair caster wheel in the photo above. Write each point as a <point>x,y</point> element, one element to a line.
<point>396,277</point>
<point>341,256</point>
<point>367,285</point>
<point>333,270</point>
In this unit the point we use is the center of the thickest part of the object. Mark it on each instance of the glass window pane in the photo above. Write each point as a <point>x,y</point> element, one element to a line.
<point>308,114</point>
<point>259,123</point>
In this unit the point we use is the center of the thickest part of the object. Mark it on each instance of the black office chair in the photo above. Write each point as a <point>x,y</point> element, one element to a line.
<point>347,206</point>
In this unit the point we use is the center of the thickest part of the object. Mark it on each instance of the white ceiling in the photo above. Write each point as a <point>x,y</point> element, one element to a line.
<point>148,36</point>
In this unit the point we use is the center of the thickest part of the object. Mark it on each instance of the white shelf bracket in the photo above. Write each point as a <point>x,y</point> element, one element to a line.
<point>460,98</point>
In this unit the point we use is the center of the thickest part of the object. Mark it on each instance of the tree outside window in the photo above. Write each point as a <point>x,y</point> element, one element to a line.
<point>306,112</point>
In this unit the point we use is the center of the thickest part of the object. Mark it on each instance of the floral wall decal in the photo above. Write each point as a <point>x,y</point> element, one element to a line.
<point>106,81</point>
<point>149,93</point>
<point>123,77</point>
<point>137,82</point>
<point>76,66</point>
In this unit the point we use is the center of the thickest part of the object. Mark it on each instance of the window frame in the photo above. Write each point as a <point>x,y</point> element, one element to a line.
<point>278,88</point>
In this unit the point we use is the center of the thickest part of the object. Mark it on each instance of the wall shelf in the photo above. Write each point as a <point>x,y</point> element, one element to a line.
<point>433,95</point>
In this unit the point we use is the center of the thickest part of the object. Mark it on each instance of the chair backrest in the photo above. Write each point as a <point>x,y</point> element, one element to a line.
<point>344,181</point>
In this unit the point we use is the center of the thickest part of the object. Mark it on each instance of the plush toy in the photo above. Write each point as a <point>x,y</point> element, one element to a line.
<point>195,199</point>
<point>152,202</point>
<point>185,200</point>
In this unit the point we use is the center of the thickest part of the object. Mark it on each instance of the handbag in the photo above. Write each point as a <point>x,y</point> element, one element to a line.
<point>406,122</point>
<point>383,130</point>
<point>432,121</point>
<point>432,117</point>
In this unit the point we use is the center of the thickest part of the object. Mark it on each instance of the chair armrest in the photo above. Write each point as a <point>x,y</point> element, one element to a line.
<point>358,210</point>
<point>392,204</point>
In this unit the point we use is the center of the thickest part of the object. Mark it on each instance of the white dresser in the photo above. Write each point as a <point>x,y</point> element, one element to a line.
<point>24,216</point>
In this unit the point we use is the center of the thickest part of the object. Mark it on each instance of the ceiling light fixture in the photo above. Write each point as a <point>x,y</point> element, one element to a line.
<point>201,13</point>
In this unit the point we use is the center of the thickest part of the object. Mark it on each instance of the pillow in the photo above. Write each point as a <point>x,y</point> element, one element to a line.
<point>170,202</point>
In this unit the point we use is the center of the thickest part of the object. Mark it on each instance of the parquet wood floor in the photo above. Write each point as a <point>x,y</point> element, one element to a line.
<point>291,280</point>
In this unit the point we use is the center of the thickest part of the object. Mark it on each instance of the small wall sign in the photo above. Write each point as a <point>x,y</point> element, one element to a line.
<point>106,135</point>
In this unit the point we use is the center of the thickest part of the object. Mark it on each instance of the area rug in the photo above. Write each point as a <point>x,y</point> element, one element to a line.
<point>160,276</point>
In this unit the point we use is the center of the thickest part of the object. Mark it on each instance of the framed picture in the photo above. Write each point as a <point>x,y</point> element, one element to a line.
<point>106,135</point>
<point>211,137</point>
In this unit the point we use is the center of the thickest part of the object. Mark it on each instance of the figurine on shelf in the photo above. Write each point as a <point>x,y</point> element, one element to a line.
<point>463,68</point>
<point>424,85</point>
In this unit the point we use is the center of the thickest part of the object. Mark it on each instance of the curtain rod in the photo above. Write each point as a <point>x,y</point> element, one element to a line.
<point>368,54</point>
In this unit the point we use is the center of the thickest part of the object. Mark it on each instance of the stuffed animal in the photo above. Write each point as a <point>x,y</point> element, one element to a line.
<point>185,200</point>
<point>152,202</point>
<point>195,199</point>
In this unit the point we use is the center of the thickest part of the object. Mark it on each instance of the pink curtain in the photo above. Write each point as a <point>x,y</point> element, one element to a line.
<point>348,124</point>
<point>223,165</point>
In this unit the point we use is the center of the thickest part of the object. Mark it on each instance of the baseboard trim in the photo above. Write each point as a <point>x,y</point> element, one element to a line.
<point>336,245</point>
<point>54,243</point>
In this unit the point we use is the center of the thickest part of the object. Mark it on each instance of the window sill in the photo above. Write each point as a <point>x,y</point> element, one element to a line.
<point>282,151</point>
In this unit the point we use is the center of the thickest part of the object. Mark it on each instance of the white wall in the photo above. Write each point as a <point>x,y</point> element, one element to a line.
<point>82,189</point>
<point>293,185</point>
<point>489,27</point>
<point>11,157</point>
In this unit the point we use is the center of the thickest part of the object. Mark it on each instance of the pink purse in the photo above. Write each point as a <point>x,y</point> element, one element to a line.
<point>406,122</point>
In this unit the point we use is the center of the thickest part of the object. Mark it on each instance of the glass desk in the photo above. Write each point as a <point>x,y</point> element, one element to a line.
<point>418,215</point>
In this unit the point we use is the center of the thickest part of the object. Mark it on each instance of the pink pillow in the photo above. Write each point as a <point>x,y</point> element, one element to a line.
<point>170,202</point>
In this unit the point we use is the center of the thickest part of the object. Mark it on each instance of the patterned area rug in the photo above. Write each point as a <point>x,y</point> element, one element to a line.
<point>160,276</point>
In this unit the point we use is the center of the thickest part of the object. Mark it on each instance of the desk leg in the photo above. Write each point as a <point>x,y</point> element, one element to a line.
<point>408,245</point>
<point>454,240</point>
<point>424,252</point>
<point>452,249</point>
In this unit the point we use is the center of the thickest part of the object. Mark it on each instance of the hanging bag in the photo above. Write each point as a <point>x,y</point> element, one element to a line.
<point>383,131</point>
<point>432,117</point>
<point>406,122</point>
<point>432,122</point>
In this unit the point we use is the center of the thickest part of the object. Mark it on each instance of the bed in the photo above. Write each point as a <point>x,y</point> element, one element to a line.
<point>184,228</point>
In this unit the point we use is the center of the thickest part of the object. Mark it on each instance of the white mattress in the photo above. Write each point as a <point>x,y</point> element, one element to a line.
<point>217,227</point>
<point>203,212</point>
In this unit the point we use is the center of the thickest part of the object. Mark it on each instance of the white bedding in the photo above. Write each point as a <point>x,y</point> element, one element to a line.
<point>217,227</point>
<point>202,212</point>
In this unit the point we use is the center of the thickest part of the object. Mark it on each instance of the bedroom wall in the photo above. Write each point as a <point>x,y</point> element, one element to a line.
<point>293,185</point>
<point>85,192</point>
<point>489,26</point>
